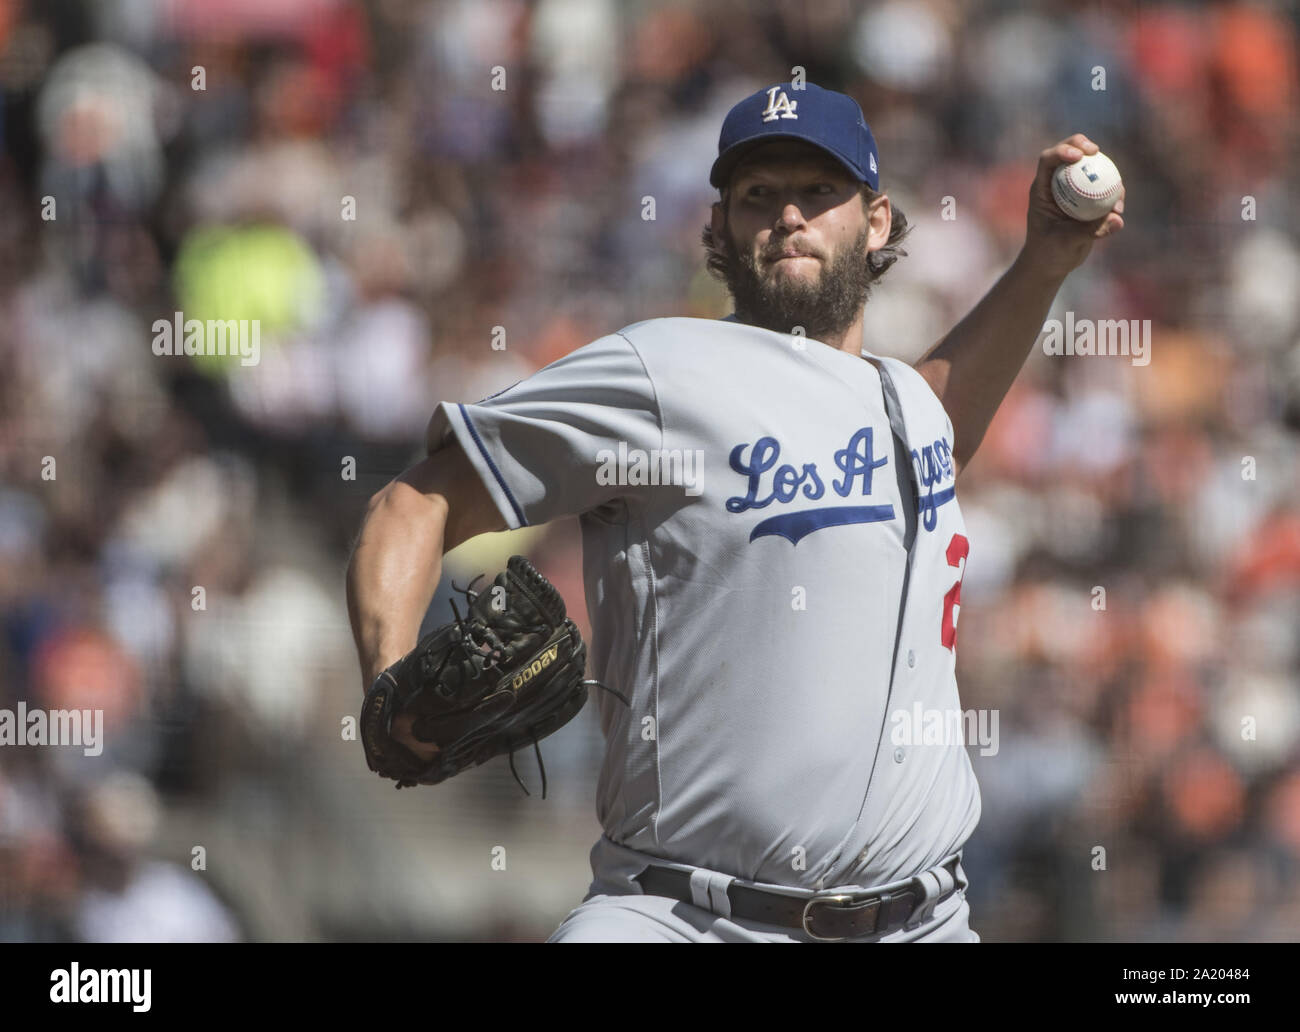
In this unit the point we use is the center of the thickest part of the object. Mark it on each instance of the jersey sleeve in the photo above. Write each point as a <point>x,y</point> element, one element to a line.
<point>543,446</point>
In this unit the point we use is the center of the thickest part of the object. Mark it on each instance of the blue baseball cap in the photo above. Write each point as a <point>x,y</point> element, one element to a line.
<point>826,119</point>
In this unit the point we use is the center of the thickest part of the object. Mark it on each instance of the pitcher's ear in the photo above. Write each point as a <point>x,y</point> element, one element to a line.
<point>880,219</point>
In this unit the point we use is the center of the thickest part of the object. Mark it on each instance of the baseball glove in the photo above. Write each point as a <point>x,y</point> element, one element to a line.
<point>507,674</point>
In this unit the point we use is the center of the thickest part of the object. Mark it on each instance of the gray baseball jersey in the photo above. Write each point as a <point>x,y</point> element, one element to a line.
<point>773,554</point>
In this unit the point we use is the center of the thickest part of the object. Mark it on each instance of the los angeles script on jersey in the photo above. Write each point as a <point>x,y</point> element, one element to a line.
<point>857,462</point>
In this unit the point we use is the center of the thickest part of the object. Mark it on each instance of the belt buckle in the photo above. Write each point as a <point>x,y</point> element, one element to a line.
<point>840,899</point>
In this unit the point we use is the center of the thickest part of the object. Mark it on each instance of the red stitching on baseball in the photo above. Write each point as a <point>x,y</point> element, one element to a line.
<point>1084,192</point>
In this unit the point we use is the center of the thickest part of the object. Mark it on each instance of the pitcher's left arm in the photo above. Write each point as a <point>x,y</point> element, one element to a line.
<point>972,368</point>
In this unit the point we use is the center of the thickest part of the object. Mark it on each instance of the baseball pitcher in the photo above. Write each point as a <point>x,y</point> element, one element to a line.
<point>773,554</point>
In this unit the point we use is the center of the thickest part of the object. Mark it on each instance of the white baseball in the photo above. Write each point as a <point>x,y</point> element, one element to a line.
<point>1088,188</point>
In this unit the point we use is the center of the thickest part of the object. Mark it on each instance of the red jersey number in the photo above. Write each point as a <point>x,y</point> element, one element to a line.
<point>958,548</point>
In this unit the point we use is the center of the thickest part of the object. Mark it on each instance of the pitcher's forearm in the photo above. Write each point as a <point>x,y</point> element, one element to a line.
<point>973,367</point>
<point>393,574</point>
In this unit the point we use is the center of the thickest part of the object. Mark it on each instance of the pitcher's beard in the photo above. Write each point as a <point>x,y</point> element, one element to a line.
<point>824,308</point>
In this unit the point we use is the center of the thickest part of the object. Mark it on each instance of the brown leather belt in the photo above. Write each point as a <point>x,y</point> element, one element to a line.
<point>830,916</point>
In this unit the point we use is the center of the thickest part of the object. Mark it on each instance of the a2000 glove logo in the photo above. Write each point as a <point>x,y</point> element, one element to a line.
<point>534,668</point>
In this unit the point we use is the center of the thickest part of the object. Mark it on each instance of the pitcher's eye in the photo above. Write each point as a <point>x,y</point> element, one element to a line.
<point>759,192</point>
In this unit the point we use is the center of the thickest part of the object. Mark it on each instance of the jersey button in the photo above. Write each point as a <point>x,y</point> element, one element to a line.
<point>911,658</point>
<point>898,755</point>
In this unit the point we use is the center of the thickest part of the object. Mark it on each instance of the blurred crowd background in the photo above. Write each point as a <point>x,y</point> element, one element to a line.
<point>174,531</point>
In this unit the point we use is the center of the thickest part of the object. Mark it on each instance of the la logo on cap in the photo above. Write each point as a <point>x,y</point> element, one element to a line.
<point>779,105</point>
